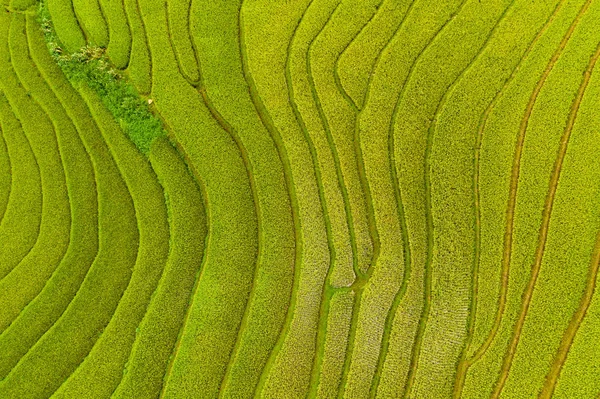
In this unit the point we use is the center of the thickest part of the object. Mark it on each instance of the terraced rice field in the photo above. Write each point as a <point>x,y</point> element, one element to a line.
<point>299,199</point>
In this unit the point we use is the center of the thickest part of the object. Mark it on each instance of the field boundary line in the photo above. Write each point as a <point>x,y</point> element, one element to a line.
<point>51,329</point>
<point>574,325</point>
<point>226,127</point>
<point>442,103</point>
<point>514,187</point>
<point>547,213</point>
<point>388,326</point>
<point>10,174</point>
<point>174,47</point>
<point>201,186</point>
<point>326,291</point>
<point>268,123</point>
<point>55,140</point>
<point>336,75</point>
<point>130,15</point>
<point>44,109</point>
<point>465,362</point>
<point>401,94</point>
<point>331,142</point>
<point>62,105</point>
<point>35,157</point>
<point>61,102</point>
<point>110,153</point>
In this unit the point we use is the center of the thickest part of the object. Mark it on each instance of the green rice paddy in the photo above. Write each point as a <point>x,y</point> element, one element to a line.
<point>341,199</point>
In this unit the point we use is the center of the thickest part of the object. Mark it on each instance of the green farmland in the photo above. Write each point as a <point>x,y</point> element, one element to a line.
<point>290,199</point>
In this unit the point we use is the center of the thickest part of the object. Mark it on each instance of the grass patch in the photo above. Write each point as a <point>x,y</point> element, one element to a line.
<point>91,65</point>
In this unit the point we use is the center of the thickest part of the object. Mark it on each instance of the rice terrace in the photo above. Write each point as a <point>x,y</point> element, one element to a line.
<point>299,199</point>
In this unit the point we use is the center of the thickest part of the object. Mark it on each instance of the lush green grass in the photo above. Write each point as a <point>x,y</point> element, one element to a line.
<point>90,65</point>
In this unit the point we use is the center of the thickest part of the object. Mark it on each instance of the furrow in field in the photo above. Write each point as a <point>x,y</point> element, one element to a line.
<point>336,337</point>
<point>269,124</point>
<point>508,234</point>
<point>20,226</point>
<point>92,21</point>
<point>159,329</point>
<point>380,112</point>
<point>523,109</point>
<point>201,355</point>
<point>217,42</point>
<point>39,314</point>
<point>476,302</point>
<point>339,120</point>
<point>575,147</point>
<point>415,149</point>
<point>327,368</point>
<point>381,107</point>
<point>180,33</point>
<point>355,66</point>
<point>390,261</point>
<point>369,43</point>
<point>372,46</point>
<point>6,179</point>
<point>139,68</point>
<point>574,364</point>
<point>544,250</point>
<point>460,120</point>
<point>387,339</point>
<point>27,278</point>
<point>64,346</point>
<point>66,25</point>
<point>101,371</point>
<point>452,256</point>
<point>446,333</point>
<point>213,71</point>
<point>119,34</point>
<point>336,75</point>
<point>305,104</point>
<point>288,371</point>
<point>21,223</point>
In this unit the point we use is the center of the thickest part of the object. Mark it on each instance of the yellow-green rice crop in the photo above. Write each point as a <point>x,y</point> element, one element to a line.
<point>361,199</point>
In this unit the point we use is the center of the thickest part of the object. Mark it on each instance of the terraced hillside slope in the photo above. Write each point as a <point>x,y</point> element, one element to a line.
<point>299,199</point>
